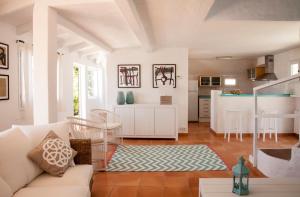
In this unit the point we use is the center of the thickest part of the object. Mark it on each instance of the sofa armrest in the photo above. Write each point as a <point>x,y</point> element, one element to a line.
<point>84,151</point>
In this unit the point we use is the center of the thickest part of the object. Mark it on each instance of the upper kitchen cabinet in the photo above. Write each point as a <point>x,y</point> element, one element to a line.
<point>255,72</point>
<point>210,81</point>
<point>205,81</point>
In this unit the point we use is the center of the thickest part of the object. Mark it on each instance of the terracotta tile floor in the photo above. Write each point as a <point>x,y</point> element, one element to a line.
<point>173,184</point>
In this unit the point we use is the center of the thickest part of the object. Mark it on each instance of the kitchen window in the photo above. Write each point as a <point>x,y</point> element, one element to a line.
<point>294,68</point>
<point>230,81</point>
<point>92,81</point>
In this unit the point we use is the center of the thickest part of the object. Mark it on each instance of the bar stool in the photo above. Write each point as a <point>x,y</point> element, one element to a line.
<point>235,121</point>
<point>270,125</point>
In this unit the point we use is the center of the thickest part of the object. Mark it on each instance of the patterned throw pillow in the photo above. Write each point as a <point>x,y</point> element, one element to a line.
<point>53,155</point>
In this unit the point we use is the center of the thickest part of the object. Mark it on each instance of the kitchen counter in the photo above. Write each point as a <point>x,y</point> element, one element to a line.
<point>204,96</point>
<point>275,103</point>
<point>260,95</point>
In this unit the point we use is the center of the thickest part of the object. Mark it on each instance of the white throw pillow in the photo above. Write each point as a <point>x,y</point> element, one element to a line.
<point>37,133</point>
<point>5,190</point>
<point>16,169</point>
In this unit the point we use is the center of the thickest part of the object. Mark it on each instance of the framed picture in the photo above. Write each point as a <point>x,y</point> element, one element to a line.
<point>4,56</point>
<point>129,76</point>
<point>4,87</point>
<point>164,75</point>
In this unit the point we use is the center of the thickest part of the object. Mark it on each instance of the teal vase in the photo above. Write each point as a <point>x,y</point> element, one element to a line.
<point>121,98</point>
<point>129,97</point>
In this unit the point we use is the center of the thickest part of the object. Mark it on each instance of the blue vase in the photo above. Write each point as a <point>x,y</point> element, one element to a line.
<point>121,98</point>
<point>129,97</point>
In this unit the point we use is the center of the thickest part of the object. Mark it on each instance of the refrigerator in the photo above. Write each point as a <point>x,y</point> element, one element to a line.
<point>193,101</point>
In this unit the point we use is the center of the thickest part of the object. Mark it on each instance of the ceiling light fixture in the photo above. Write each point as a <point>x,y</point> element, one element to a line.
<point>224,58</point>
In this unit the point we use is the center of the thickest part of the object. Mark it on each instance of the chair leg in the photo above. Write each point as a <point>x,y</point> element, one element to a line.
<point>225,134</point>
<point>264,136</point>
<point>228,136</point>
<point>237,135</point>
<point>276,136</point>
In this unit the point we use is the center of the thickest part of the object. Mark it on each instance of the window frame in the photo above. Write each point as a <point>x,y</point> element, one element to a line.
<point>95,82</point>
<point>296,62</point>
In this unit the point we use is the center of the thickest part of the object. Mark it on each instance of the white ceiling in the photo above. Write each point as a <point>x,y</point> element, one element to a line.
<point>232,27</point>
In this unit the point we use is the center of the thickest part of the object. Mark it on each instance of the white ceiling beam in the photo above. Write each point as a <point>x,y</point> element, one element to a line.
<point>24,28</point>
<point>130,13</point>
<point>14,5</point>
<point>86,36</point>
<point>87,52</point>
<point>77,47</point>
<point>206,5</point>
<point>57,3</point>
<point>63,43</point>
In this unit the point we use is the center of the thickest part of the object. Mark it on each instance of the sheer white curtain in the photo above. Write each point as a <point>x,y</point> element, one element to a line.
<point>25,66</point>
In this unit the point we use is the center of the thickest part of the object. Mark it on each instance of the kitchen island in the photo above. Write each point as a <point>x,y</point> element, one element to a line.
<point>281,103</point>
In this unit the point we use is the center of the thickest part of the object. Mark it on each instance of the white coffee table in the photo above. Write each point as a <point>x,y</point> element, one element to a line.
<point>258,187</point>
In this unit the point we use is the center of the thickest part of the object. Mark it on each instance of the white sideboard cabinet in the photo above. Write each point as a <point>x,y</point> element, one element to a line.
<point>148,121</point>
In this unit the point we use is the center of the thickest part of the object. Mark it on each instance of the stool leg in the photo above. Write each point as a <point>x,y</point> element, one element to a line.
<point>276,136</point>
<point>264,136</point>
<point>228,136</point>
<point>236,135</point>
<point>241,136</point>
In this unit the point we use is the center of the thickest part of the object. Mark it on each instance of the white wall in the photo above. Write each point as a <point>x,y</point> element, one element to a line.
<point>148,94</point>
<point>234,68</point>
<point>9,112</point>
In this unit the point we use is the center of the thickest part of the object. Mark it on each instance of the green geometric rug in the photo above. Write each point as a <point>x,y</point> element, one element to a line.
<point>154,158</point>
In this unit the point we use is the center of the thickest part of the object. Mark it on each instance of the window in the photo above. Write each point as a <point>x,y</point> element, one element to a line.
<point>92,83</point>
<point>294,69</point>
<point>76,89</point>
<point>230,82</point>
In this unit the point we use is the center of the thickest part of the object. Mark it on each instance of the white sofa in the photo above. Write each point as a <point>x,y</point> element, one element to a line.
<point>20,177</point>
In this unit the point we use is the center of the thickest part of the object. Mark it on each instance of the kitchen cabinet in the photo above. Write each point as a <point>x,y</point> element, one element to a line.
<point>255,72</point>
<point>148,120</point>
<point>205,81</point>
<point>204,110</point>
<point>210,81</point>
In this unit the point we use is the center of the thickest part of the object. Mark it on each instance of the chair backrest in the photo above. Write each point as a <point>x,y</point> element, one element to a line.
<point>104,116</point>
<point>83,129</point>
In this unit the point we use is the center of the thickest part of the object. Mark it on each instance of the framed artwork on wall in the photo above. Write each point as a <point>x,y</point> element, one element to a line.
<point>129,76</point>
<point>4,87</point>
<point>164,75</point>
<point>4,56</point>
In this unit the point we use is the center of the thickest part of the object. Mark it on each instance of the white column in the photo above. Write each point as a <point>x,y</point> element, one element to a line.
<point>45,61</point>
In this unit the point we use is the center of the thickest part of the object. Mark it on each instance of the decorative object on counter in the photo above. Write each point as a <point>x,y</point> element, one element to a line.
<point>121,98</point>
<point>4,56</point>
<point>4,87</point>
<point>166,100</point>
<point>164,75</point>
<point>129,76</point>
<point>129,97</point>
<point>240,178</point>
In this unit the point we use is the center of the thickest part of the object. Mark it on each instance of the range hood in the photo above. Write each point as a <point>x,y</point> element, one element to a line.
<point>269,74</point>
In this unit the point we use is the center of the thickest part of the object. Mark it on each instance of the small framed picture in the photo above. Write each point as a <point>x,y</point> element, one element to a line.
<point>4,87</point>
<point>129,76</point>
<point>4,56</point>
<point>164,75</point>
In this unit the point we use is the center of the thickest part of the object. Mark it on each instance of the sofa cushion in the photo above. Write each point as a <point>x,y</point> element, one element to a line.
<point>37,133</point>
<point>16,169</point>
<point>53,155</point>
<point>5,190</point>
<point>73,191</point>
<point>80,175</point>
